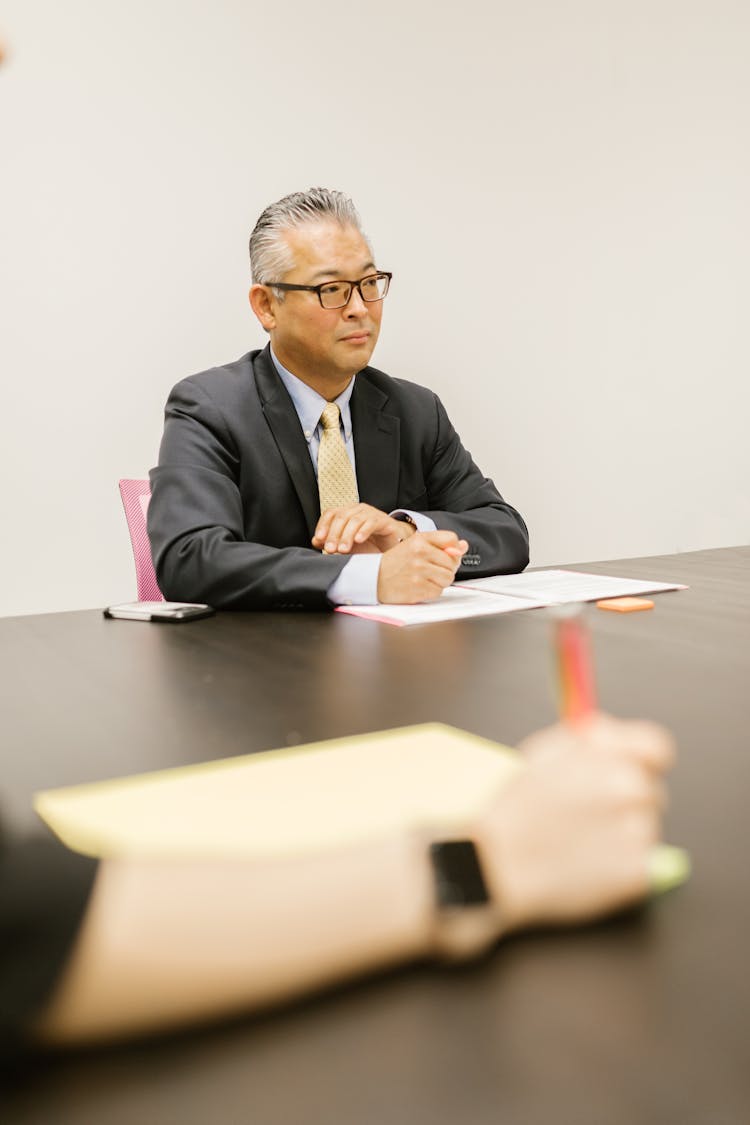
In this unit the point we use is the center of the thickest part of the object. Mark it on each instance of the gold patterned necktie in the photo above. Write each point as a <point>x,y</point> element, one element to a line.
<point>337,484</point>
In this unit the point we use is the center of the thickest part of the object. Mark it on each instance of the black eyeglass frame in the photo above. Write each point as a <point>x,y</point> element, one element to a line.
<point>337,281</point>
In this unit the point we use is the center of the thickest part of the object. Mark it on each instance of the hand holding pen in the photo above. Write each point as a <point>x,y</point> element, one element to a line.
<point>667,866</point>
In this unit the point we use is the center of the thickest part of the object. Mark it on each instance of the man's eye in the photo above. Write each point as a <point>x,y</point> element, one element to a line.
<point>333,289</point>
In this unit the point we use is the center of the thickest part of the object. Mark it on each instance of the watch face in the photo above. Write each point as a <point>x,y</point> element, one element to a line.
<point>458,874</point>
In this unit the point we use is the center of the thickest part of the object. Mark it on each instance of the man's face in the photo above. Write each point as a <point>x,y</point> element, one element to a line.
<point>325,347</point>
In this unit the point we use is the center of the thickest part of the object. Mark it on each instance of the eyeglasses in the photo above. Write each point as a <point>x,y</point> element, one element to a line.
<point>337,294</point>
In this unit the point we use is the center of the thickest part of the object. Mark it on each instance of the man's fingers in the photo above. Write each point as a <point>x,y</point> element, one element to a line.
<point>458,551</point>
<point>337,526</point>
<point>339,529</point>
<point>344,532</point>
<point>419,569</point>
<point>334,536</point>
<point>442,548</point>
<point>323,525</point>
<point>444,558</point>
<point>441,539</point>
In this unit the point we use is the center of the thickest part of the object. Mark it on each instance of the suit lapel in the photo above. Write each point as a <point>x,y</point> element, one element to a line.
<point>282,418</point>
<point>376,446</point>
<point>376,441</point>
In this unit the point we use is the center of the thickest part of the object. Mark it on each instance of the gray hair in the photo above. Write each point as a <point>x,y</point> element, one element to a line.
<point>270,257</point>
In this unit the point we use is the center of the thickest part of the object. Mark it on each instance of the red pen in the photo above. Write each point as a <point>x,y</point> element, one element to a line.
<point>575,668</point>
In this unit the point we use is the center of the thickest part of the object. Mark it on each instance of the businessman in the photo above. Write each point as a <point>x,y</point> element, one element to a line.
<point>299,476</point>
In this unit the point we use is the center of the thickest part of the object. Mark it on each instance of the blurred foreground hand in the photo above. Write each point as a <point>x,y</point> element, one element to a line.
<point>571,837</point>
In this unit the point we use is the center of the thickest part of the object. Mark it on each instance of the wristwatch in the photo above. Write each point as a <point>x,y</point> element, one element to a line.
<point>402,517</point>
<point>467,921</point>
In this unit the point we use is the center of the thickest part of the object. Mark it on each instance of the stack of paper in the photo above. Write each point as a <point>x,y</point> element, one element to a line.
<point>506,593</point>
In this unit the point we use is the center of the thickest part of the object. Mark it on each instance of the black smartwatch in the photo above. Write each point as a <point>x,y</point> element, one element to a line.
<point>468,922</point>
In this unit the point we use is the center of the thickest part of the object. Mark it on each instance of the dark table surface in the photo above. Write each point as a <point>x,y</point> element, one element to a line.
<point>644,1018</point>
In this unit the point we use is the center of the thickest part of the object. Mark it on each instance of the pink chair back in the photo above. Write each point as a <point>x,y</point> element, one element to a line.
<point>135,497</point>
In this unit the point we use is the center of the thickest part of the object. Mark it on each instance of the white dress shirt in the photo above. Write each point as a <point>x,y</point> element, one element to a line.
<point>357,583</point>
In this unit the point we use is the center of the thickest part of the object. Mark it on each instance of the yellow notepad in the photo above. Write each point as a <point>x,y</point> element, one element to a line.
<point>310,798</point>
<point>288,801</point>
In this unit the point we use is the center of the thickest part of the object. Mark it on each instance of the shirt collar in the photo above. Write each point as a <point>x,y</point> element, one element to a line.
<point>309,404</point>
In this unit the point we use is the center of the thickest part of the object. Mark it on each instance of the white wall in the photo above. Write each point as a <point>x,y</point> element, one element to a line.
<point>577,174</point>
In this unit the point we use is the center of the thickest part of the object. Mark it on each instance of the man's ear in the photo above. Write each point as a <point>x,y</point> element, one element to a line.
<point>261,302</point>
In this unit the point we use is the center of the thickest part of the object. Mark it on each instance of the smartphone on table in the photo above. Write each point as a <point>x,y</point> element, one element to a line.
<point>159,611</point>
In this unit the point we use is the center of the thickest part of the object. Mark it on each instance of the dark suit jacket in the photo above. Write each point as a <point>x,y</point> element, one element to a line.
<point>235,500</point>
<point>44,890</point>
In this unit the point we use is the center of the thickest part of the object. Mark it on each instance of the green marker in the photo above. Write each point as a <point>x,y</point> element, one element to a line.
<point>668,867</point>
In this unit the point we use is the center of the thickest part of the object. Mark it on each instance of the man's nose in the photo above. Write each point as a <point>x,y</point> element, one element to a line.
<point>356,306</point>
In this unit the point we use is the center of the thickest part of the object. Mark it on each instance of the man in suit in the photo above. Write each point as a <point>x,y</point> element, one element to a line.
<point>259,501</point>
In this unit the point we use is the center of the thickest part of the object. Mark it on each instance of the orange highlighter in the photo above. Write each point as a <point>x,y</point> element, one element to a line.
<point>575,667</point>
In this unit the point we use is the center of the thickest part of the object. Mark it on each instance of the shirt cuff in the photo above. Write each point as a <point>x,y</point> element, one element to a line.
<point>357,583</point>
<point>421,522</point>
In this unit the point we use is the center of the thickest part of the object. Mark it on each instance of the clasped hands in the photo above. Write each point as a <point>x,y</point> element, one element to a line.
<point>416,565</point>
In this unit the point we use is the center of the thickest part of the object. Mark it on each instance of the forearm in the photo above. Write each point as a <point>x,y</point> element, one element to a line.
<point>210,566</point>
<point>169,943</point>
